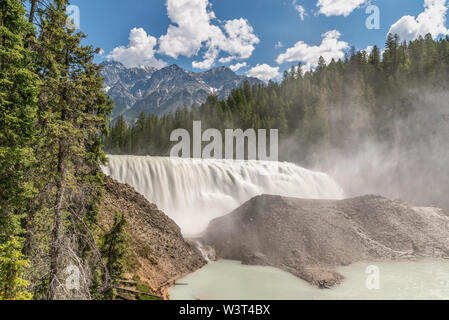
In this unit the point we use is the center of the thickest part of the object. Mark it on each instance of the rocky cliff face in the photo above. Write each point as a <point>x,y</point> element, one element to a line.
<point>158,252</point>
<point>309,238</point>
<point>162,91</point>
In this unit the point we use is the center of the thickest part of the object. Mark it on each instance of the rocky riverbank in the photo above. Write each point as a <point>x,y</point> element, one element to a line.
<point>158,252</point>
<point>310,238</point>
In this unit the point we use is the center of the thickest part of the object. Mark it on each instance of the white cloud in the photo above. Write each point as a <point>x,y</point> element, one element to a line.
<point>192,30</point>
<point>432,20</point>
<point>339,7</point>
<point>330,48</point>
<point>101,52</point>
<point>236,67</point>
<point>139,52</point>
<point>301,10</point>
<point>227,59</point>
<point>278,45</point>
<point>241,38</point>
<point>208,60</point>
<point>368,49</point>
<point>263,72</point>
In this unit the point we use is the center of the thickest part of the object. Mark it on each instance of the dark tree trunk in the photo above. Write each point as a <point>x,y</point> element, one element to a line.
<point>33,9</point>
<point>57,226</point>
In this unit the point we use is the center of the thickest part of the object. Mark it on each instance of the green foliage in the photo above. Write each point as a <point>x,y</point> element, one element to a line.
<point>18,97</point>
<point>147,298</point>
<point>115,248</point>
<point>53,114</point>
<point>140,287</point>
<point>326,108</point>
<point>12,268</point>
<point>73,116</point>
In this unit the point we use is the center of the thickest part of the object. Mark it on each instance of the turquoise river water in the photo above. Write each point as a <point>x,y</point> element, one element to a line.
<point>230,280</point>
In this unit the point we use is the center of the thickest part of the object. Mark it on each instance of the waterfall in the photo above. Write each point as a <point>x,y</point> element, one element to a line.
<point>194,191</point>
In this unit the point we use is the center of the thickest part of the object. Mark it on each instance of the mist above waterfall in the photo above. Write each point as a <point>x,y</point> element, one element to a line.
<point>193,191</point>
<point>412,165</point>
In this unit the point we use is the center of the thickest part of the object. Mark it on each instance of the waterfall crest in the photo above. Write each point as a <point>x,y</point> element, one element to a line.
<point>194,191</point>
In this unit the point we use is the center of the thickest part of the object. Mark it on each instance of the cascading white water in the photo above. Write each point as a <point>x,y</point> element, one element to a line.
<point>193,191</point>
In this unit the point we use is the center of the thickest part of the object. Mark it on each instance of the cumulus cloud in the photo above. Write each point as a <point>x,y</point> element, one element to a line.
<point>139,52</point>
<point>227,59</point>
<point>432,20</point>
<point>208,60</point>
<point>193,30</point>
<point>263,72</point>
<point>339,7</point>
<point>330,48</point>
<point>241,39</point>
<point>369,49</point>
<point>238,66</point>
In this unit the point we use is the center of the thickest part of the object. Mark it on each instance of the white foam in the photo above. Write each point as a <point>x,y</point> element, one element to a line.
<point>193,192</point>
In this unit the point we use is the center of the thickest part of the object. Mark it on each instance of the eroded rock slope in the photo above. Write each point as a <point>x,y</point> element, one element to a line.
<point>310,238</point>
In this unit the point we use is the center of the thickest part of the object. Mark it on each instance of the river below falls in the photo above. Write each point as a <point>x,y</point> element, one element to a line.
<point>230,280</point>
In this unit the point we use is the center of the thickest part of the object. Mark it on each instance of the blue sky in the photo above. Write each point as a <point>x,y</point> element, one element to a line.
<point>256,37</point>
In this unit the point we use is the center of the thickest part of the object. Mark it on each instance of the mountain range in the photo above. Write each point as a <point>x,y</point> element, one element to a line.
<point>153,91</point>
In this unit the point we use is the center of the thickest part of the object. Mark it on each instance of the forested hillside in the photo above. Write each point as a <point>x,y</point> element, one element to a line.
<point>336,106</point>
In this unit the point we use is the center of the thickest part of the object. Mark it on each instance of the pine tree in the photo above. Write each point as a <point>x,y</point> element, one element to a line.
<point>321,64</point>
<point>114,249</point>
<point>73,111</point>
<point>12,266</point>
<point>18,96</point>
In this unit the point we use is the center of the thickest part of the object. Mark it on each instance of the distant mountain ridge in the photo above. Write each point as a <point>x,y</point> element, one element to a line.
<point>152,91</point>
